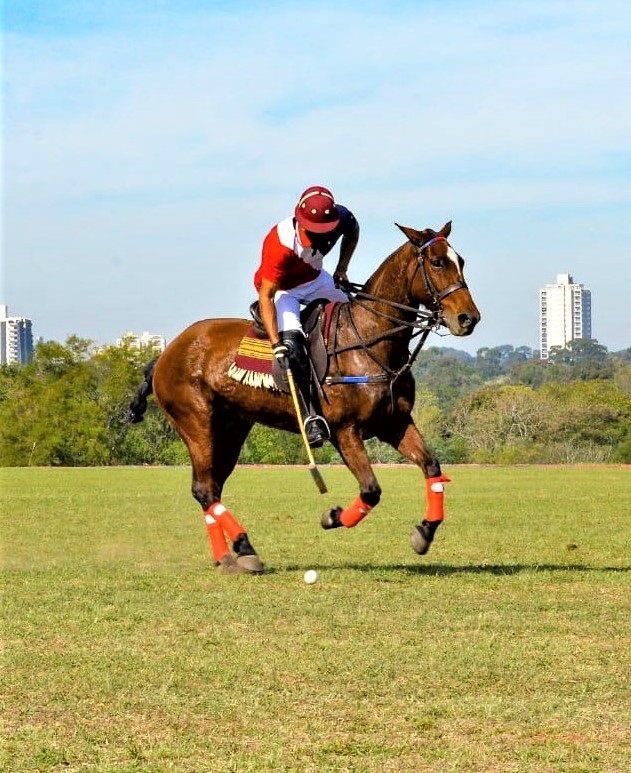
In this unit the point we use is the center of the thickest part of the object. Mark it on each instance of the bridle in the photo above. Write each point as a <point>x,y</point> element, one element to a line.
<point>423,323</point>
<point>435,295</point>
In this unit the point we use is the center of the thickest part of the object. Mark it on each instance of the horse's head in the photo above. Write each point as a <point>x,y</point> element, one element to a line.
<point>438,281</point>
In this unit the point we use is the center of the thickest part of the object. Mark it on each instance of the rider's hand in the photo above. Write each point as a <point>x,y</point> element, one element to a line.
<point>281,354</point>
<point>340,278</point>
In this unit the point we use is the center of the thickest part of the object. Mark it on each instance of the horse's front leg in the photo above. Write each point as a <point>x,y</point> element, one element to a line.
<point>351,447</point>
<point>409,443</point>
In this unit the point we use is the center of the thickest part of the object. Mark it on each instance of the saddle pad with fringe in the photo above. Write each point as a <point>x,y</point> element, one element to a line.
<point>253,362</point>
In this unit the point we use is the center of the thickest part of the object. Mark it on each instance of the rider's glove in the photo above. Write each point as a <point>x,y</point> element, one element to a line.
<point>281,354</point>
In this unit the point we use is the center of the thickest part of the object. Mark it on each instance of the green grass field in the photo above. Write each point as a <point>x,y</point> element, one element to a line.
<point>506,648</point>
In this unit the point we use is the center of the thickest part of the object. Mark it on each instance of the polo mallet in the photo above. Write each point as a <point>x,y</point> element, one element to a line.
<point>315,473</point>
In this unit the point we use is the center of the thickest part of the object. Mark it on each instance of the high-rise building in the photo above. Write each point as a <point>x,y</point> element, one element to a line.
<point>16,338</point>
<point>142,341</point>
<point>565,313</point>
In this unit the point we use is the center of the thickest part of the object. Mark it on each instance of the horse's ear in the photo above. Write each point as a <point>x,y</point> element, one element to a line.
<point>418,238</point>
<point>445,230</point>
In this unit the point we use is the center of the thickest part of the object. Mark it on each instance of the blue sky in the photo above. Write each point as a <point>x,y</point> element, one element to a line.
<point>149,147</point>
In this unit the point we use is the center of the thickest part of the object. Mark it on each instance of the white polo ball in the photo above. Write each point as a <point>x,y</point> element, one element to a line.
<point>311,576</point>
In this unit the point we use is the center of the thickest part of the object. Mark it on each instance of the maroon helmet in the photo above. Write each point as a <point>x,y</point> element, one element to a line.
<point>316,210</point>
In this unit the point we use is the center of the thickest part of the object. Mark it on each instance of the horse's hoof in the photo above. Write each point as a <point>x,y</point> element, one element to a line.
<point>422,536</point>
<point>228,565</point>
<point>331,518</point>
<point>240,565</point>
<point>419,544</point>
<point>250,563</point>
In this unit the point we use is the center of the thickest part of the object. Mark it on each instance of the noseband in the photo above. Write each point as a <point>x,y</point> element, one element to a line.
<point>436,296</point>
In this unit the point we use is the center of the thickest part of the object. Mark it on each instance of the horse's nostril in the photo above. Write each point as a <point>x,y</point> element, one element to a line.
<point>465,320</point>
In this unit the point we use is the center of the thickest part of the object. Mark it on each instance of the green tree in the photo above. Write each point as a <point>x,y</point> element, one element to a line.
<point>490,362</point>
<point>500,419</point>
<point>587,359</point>
<point>50,416</point>
<point>118,371</point>
<point>446,376</point>
<point>622,452</point>
<point>560,422</point>
<point>579,349</point>
<point>589,418</point>
<point>68,408</point>
<point>622,376</point>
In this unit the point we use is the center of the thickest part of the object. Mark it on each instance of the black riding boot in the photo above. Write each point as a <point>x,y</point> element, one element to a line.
<point>315,426</point>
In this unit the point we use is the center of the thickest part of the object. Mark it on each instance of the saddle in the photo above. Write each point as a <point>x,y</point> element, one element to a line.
<point>254,362</point>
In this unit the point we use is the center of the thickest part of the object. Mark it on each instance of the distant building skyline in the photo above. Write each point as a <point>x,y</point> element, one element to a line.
<point>16,338</point>
<point>142,341</point>
<point>565,313</point>
<point>17,341</point>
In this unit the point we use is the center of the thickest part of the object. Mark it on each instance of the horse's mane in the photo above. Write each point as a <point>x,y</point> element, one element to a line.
<point>380,282</point>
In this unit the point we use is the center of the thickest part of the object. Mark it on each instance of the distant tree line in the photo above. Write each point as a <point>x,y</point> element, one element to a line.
<point>504,405</point>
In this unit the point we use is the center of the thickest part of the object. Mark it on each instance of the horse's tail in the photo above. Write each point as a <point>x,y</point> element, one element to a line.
<point>138,405</point>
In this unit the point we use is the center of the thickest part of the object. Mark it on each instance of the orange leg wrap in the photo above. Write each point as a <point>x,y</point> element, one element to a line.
<point>218,544</point>
<point>354,513</point>
<point>226,520</point>
<point>435,497</point>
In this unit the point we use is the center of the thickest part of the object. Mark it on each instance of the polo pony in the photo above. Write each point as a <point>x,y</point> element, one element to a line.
<point>368,391</point>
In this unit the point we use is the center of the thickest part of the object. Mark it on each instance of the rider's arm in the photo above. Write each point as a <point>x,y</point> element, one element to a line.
<point>347,248</point>
<point>267,308</point>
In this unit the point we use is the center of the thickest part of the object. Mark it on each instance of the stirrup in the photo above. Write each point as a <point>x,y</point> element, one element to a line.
<point>317,430</point>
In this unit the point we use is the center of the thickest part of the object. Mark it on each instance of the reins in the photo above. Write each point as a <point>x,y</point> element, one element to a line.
<point>423,322</point>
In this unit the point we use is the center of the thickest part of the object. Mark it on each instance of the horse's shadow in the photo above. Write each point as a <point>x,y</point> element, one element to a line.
<point>447,570</point>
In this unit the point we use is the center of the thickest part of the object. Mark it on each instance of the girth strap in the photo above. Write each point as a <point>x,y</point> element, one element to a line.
<point>380,378</point>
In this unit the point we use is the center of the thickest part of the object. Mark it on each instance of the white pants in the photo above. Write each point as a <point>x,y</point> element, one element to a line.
<point>288,302</point>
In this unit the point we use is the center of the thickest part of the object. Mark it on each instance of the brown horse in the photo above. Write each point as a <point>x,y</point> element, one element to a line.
<point>369,390</point>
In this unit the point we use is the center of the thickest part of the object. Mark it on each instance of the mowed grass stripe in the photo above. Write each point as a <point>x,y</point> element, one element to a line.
<point>507,648</point>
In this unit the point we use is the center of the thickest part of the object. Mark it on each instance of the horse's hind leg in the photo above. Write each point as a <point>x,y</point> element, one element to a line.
<point>214,439</point>
<point>408,441</point>
<point>228,433</point>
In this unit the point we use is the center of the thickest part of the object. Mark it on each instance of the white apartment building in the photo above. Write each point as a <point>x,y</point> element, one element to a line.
<point>142,341</point>
<point>16,338</point>
<point>565,313</point>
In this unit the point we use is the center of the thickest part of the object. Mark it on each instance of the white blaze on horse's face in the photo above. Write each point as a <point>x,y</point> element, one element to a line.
<point>455,259</point>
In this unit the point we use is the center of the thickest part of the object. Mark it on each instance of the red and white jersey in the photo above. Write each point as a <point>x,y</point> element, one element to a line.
<point>290,258</point>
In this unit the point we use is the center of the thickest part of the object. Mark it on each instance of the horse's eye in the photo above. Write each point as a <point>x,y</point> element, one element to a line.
<point>437,262</point>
